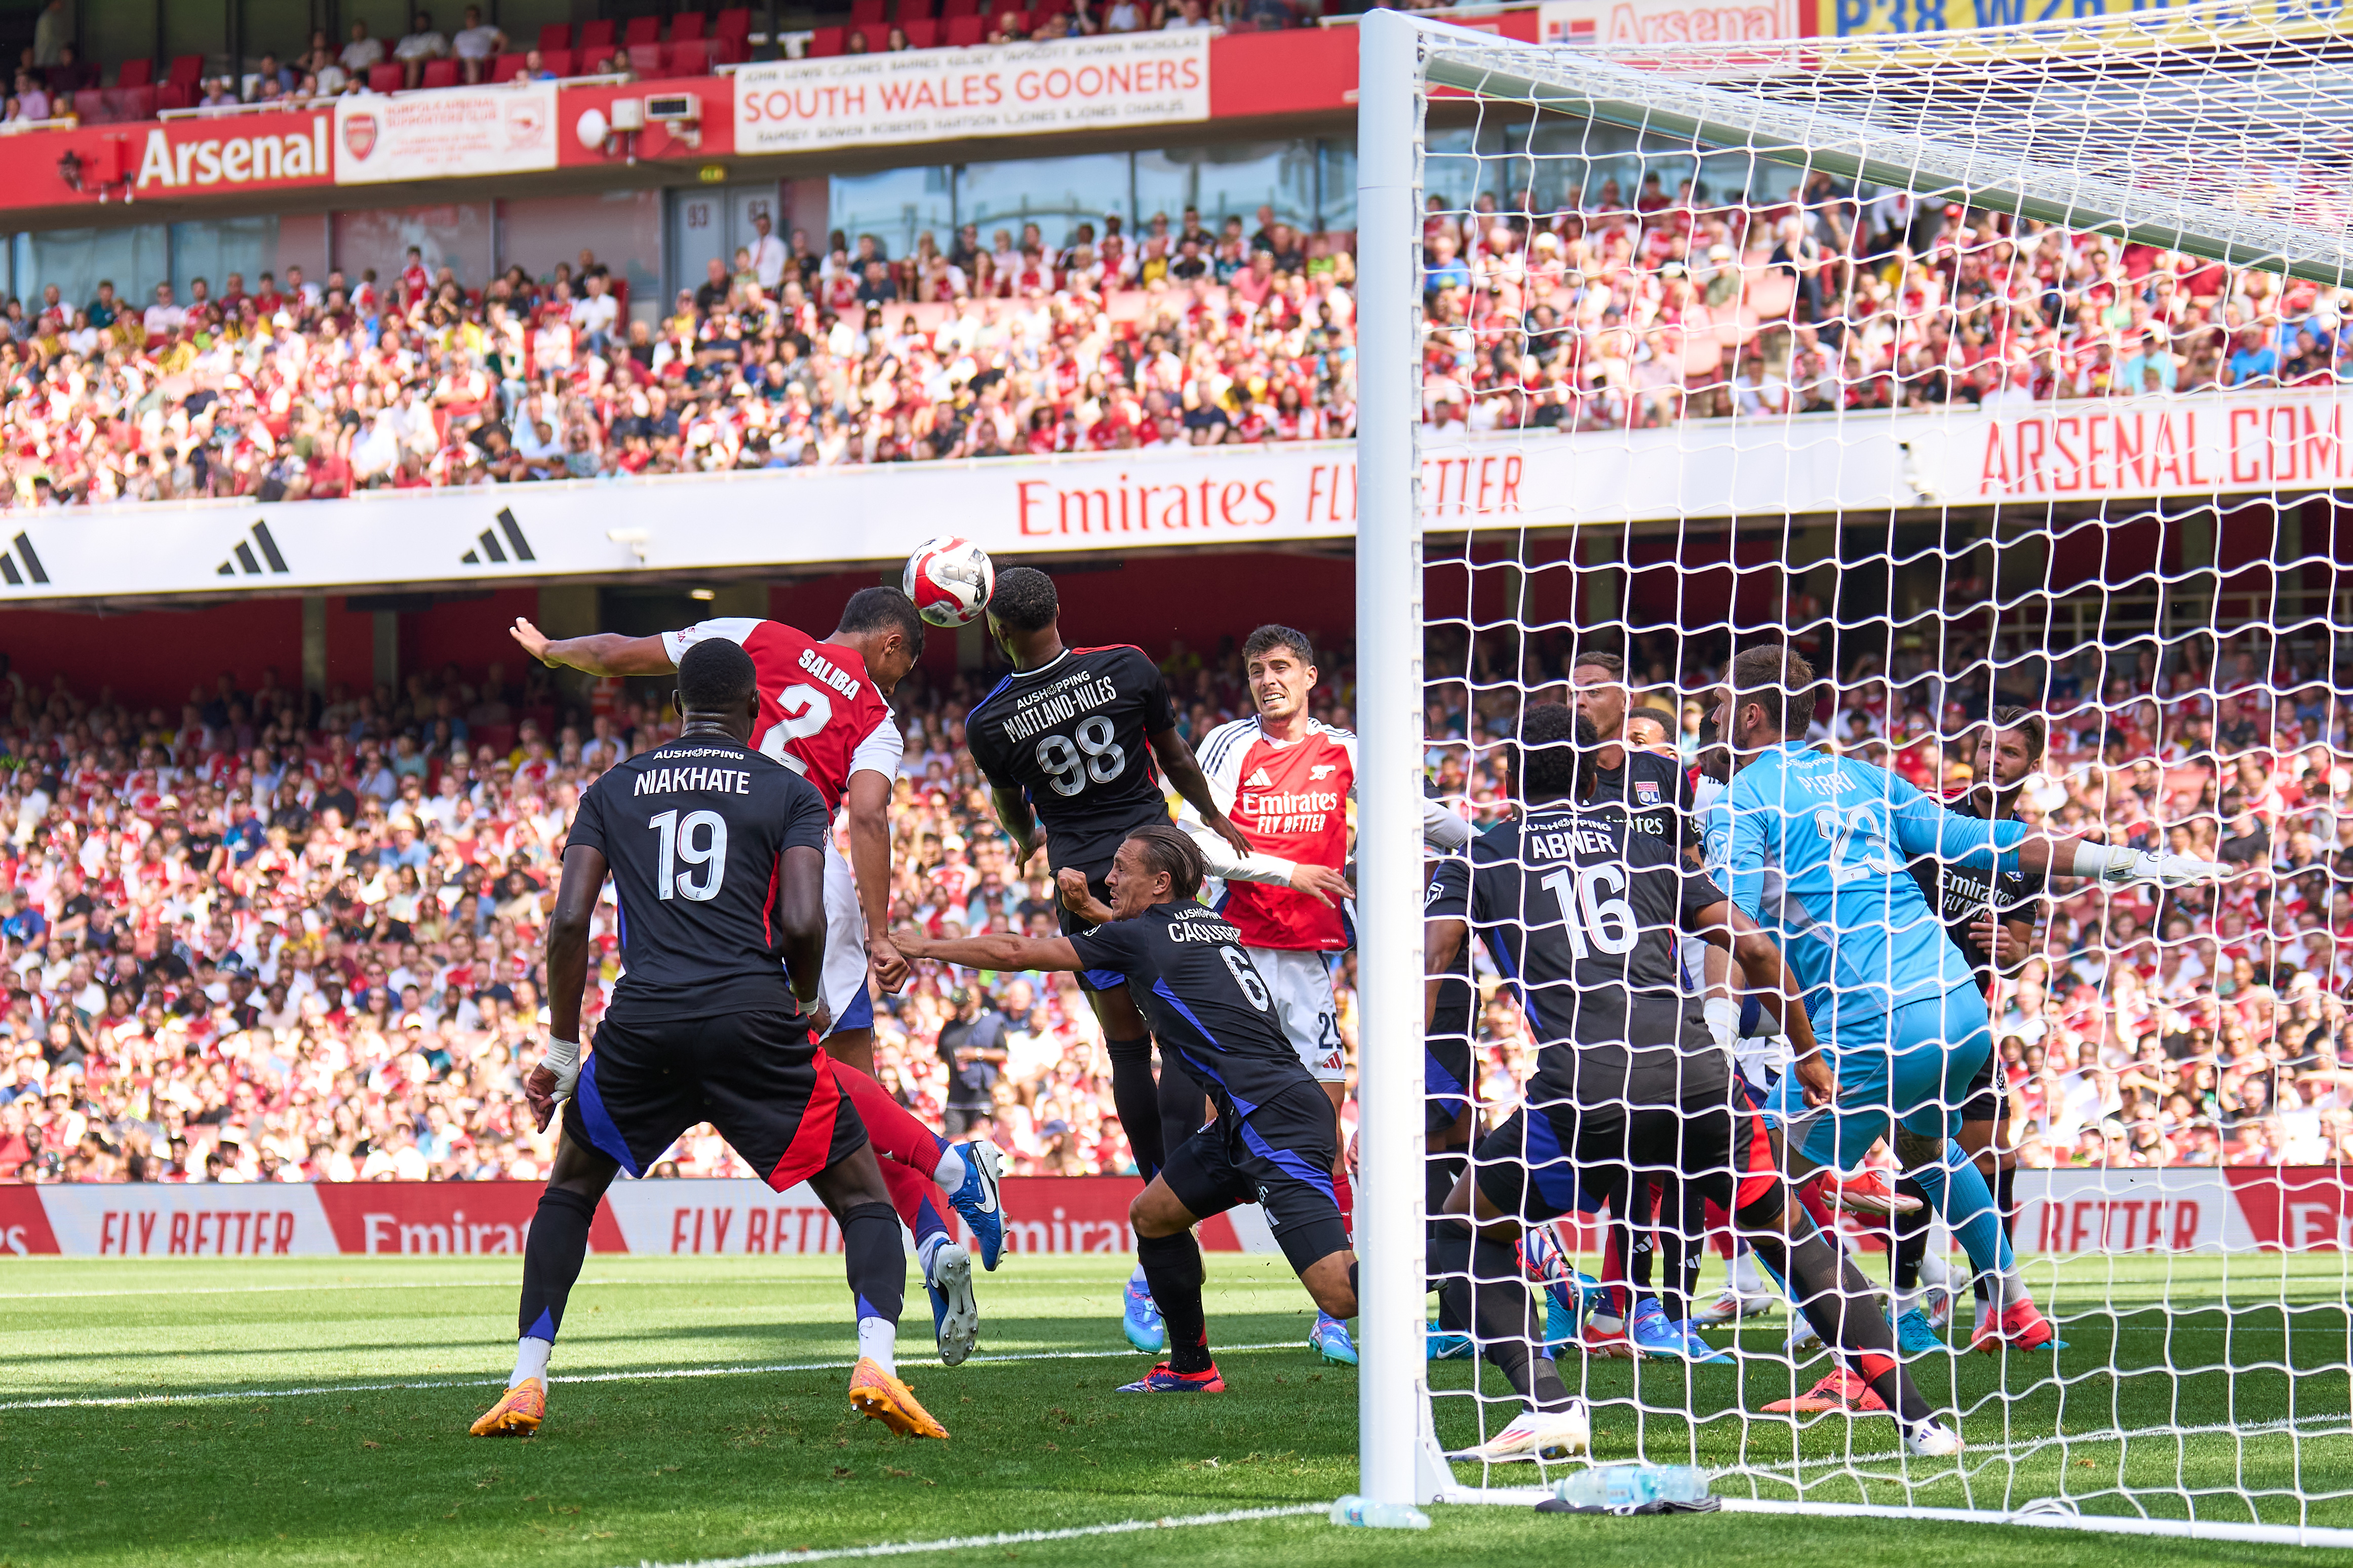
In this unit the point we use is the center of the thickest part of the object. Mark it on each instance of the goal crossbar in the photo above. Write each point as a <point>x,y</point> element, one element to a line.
<point>1580,83</point>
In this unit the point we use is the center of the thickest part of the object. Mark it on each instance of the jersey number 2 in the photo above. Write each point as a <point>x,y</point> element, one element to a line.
<point>1594,922</point>
<point>807,710</point>
<point>677,844</point>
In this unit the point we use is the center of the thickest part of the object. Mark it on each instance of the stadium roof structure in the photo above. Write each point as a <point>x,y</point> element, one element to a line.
<point>2192,131</point>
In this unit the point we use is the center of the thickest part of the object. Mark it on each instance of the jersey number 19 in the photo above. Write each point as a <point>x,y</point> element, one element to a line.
<point>679,845</point>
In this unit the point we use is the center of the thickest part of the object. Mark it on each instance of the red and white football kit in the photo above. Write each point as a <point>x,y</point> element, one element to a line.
<point>1290,800</point>
<point>820,716</point>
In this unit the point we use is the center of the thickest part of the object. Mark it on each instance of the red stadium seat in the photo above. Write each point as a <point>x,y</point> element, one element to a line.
<point>646,60</point>
<point>171,95</point>
<point>387,78</point>
<point>964,31</point>
<point>686,27</point>
<point>691,56</point>
<point>557,60</point>
<point>509,67</point>
<point>554,36</point>
<point>954,8</point>
<point>735,22</point>
<point>825,42</point>
<point>186,70</point>
<point>438,73</point>
<point>726,51</point>
<point>922,33</point>
<point>131,103</point>
<point>594,36</point>
<point>918,10</point>
<point>642,30</point>
<point>90,107</point>
<point>862,12</point>
<point>139,72</point>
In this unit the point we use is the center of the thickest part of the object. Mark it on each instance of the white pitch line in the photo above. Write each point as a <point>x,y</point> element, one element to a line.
<point>118,1400</point>
<point>313,1285</point>
<point>1003,1538</point>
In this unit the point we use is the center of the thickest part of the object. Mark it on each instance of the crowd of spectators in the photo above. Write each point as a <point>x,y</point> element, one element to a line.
<point>294,937</point>
<point>1605,309</point>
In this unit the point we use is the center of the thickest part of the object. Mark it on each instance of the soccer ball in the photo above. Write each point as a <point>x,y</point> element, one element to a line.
<point>950,580</point>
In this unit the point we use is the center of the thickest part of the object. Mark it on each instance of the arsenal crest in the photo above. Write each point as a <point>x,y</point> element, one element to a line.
<point>359,134</point>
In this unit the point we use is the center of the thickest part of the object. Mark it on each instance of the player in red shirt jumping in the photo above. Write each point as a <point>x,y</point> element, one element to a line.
<point>1285,779</point>
<point>823,712</point>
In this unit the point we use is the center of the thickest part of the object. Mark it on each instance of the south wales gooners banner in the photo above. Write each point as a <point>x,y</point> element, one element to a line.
<point>937,95</point>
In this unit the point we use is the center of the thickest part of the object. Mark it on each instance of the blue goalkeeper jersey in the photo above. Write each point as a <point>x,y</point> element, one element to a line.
<point>1816,850</point>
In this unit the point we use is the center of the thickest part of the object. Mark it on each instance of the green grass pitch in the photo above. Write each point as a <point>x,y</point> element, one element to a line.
<point>324,1464</point>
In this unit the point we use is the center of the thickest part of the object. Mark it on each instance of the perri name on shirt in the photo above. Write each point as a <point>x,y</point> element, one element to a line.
<point>669,781</point>
<point>1043,710</point>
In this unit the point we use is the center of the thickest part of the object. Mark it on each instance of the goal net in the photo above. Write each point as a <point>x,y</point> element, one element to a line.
<point>2002,376</point>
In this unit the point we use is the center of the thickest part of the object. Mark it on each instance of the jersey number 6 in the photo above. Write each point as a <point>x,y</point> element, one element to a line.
<point>677,844</point>
<point>1594,923</point>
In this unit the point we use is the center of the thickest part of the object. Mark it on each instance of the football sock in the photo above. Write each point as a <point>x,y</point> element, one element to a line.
<point>1183,1107</point>
<point>1173,1265</point>
<point>911,1195</point>
<point>1838,1301</point>
<point>1441,1170</point>
<point>896,1133</point>
<point>1682,1242</point>
<point>531,1360</point>
<point>1910,1238</point>
<point>552,1256</point>
<point>1343,1194</point>
<point>1959,1189</point>
<point>1641,1246</point>
<point>876,1262</point>
<point>1137,1102</point>
<point>931,1235</point>
<point>950,1171</point>
<point>2005,1197</point>
<point>1482,1287</point>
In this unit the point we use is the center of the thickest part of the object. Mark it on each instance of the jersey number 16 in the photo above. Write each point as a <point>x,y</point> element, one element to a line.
<point>1594,922</point>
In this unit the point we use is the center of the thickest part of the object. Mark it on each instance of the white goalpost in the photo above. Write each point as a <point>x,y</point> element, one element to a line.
<point>2002,372</point>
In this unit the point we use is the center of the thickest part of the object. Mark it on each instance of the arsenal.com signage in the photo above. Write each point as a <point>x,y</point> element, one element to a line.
<point>2236,1209</point>
<point>456,132</point>
<point>937,95</point>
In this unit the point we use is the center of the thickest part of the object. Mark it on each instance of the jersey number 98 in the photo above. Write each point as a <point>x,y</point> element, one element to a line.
<point>1093,757</point>
<point>699,844</point>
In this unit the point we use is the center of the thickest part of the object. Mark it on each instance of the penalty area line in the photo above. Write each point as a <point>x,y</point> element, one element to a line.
<point>649,1375</point>
<point>1002,1538</point>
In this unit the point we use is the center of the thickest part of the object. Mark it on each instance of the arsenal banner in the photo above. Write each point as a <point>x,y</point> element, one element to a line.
<point>454,132</point>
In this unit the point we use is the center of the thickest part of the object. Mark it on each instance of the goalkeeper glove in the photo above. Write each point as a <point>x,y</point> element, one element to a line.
<point>2117,864</point>
<point>1723,1015</point>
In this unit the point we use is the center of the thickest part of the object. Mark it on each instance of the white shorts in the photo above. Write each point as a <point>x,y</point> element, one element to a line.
<point>1762,1058</point>
<point>843,981</point>
<point>1306,1006</point>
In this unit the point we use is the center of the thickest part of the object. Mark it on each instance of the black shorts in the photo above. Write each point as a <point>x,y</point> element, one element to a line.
<point>1092,979</point>
<point>1989,1091</point>
<point>1279,1157</point>
<point>756,1076</point>
<point>1446,1079</point>
<point>1568,1158</point>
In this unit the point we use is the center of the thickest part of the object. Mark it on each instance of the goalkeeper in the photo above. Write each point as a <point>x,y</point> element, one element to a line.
<point>1820,849</point>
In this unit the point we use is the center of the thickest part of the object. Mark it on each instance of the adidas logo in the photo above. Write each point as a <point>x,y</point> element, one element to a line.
<point>33,569</point>
<point>487,543</point>
<point>244,559</point>
<point>1259,780</point>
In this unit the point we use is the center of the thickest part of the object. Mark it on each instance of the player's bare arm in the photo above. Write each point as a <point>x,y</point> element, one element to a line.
<point>567,976</point>
<point>801,915</point>
<point>1192,785</point>
<point>1003,953</point>
<point>1020,822</point>
<point>1071,883</point>
<point>599,653</point>
<point>1721,925</point>
<point>869,863</point>
<point>1440,941</point>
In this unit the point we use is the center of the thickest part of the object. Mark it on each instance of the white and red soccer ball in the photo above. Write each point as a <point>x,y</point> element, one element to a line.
<point>950,580</point>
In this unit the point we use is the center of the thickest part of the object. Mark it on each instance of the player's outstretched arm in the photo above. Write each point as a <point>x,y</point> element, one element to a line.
<point>1722,925</point>
<point>1192,785</point>
<point>1924,826</point>
<point>997,953</point>
<point>801,915</point>
<point>567,975</point>
<point>599,653</point>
